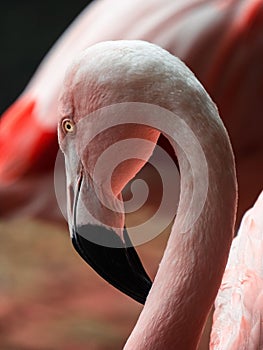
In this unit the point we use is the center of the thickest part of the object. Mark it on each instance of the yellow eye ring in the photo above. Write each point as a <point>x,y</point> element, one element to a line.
<point>68,126</point>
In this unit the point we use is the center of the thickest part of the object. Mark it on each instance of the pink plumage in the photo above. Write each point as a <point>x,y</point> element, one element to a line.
<point>238,316</point>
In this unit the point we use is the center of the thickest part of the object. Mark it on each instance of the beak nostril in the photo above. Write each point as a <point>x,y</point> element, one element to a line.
<point>70,205</point>
<point>71,198</point>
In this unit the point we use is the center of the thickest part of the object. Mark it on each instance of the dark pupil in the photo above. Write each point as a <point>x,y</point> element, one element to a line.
<point>68,126</point>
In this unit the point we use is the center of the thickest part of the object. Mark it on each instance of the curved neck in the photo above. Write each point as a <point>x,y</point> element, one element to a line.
<point>194,260</point>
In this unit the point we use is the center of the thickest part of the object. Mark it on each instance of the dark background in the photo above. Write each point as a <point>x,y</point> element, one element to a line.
<point>28,29</point>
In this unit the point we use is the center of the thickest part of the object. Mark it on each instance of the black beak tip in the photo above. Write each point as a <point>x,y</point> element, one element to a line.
<point>116,262</point>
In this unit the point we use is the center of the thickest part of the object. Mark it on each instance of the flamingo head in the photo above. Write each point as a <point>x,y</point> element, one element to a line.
<point>105,75</point>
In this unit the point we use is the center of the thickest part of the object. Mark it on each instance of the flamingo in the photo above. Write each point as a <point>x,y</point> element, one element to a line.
<point>219,40</point>
<point>98,103</point>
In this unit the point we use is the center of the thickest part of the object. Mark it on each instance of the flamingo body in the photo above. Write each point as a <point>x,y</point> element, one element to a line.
<point>238,314</point>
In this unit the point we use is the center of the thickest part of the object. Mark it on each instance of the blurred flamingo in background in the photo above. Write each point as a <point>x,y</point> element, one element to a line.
<point>219,40</point>
<point>189,276</point>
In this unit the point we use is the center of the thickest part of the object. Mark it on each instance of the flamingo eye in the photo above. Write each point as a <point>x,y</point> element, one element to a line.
<point>68,126</point>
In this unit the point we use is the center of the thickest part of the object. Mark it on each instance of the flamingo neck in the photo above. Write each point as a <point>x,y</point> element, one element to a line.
<point>194,261</point>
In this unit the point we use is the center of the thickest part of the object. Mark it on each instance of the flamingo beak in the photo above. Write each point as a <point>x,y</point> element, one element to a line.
<point>112,257</point>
